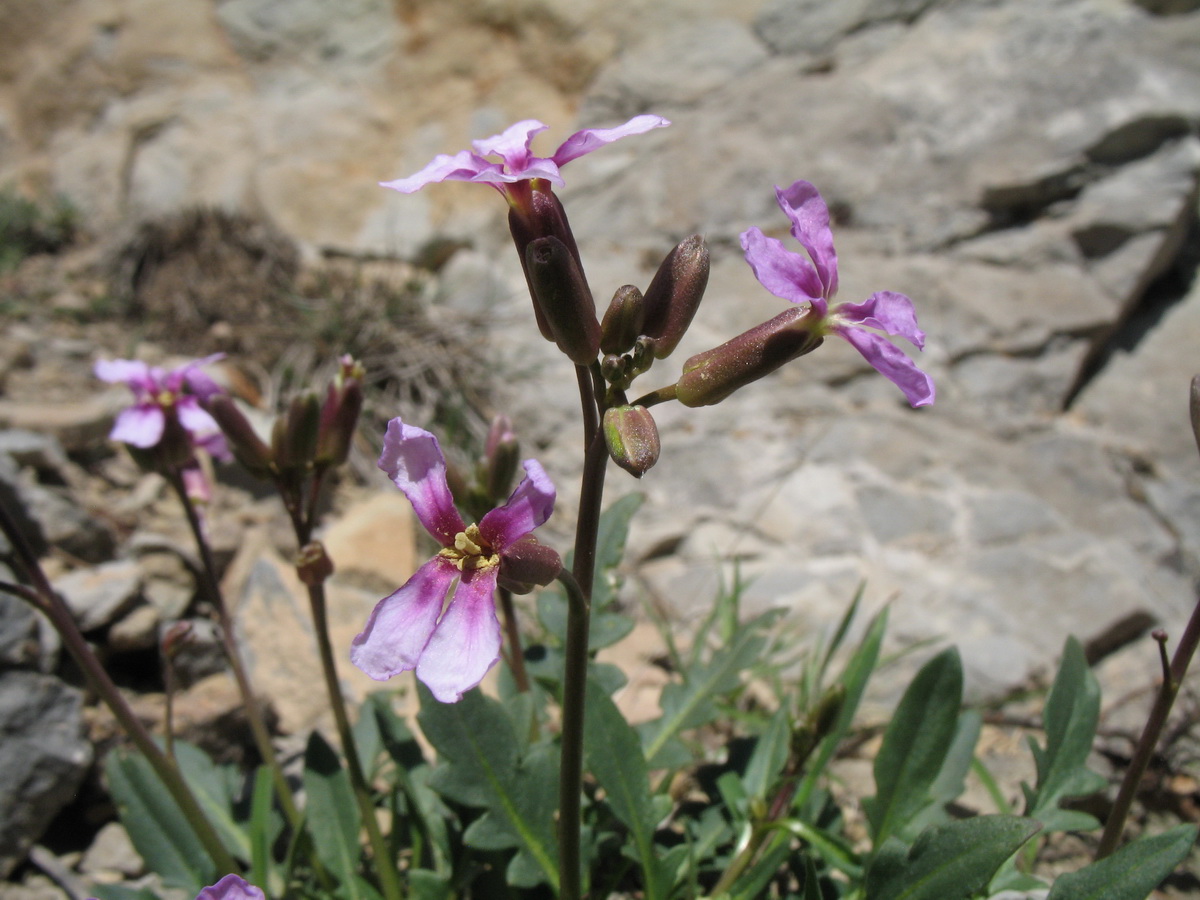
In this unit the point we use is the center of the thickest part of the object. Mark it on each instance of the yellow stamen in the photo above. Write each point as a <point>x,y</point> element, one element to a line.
<point>470,551</point>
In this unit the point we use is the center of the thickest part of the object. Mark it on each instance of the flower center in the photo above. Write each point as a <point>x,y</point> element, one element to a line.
<point>471,551</point>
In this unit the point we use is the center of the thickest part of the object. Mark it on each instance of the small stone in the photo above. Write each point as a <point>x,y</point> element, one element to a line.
<point>112,851</point>
<point>137,630</point>
<point>100,595</point>
<point>167,582</point>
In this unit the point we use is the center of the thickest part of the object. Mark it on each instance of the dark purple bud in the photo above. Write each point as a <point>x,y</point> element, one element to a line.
<point>313,565</point>
<point>632,438</point>
<point>1194,408</point>
<point>525,563</point>
<point>562,294</point>
<point>501,461</point>
<point>294,438</point>
<point>713,375</point>
<point>543,216</point>
<point>624,320</point>
<point>675,293</point>
<point>251,450</point>
<point>339,415</point>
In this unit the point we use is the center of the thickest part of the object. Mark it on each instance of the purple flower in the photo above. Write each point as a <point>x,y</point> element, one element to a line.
<point>516,162</point>
<point>231,887</point>
<point>452,649</point>
<point>793,277</point>
<point>159,393</point>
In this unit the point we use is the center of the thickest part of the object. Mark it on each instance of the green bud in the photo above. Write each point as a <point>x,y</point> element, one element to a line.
<point>675,294</point>
<point>562,294</point>
<point>623,321</point>
<point>294,437</point>
<point>251,450</point>
<point>713,375</point>
<point>632,438</point>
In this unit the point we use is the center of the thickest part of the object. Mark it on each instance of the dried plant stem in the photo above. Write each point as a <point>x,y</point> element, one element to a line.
<point>254,713</point>
<point>48,602</point>
<point>516,655</point>
<point>1167,692</point>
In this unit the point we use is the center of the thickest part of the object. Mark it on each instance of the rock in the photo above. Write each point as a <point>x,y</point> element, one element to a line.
<point>19,646</point>
<point>99,595</point>
<point>168,583</point>
<point>112,854</point>
<point>136,630</point>
<point>44,757</point>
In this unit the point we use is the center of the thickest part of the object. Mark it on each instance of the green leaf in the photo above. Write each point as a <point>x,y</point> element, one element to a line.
<point>263,829</point>
<point>159,831</point>
<point>1132,872</point>
<point>614,755</point>
<point>769,756</point>
<point>951,780</point>
<point>947,862</point>
<point>1070,717</point>
<point>854,677</point>
<point>812,886</point>
<point>915,745</point>
<point>117,892</point>
<point>690,704</point>
<point>481,767</point>
<point>426,885</point>
<point>215,788</point>
<point>331,813</point>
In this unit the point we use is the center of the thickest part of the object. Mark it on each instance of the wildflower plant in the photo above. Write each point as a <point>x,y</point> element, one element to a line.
<point>543,788</point>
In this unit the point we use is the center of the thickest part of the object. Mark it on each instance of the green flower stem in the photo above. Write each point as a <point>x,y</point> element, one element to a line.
<point>389,875</point>
<point>1173,678</point>
<point>49,603</point>
<point>578,585</point>
<point>254,714</point>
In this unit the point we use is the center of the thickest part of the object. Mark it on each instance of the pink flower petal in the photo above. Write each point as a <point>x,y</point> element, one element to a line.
<point>413,460</point>
<point>512,144</point>
<point>399,628</point>
<point>132,372</point>
<point>463,166</point>
<point>802,204</point>
<point>466,642</point>
<point>198,382</point>
<point>529,506</point>
<point>589,139</point>
<point>140,425</point>
<point>231,887</point>
<point>892,363</point>
<point>785,274</point>
<point>888,311</point>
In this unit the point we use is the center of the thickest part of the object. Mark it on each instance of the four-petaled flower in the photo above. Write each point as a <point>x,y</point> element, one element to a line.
<point>792,277</point>
<point>453,649</point>
<point>158,394</point>
<point>517,165</point>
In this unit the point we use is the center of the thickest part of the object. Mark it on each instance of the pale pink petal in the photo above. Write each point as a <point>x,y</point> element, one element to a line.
<point>231,887</point>
<point>195,484</point>
<point>400,625</point>
<point>802,204</point>
<point>198,382</point>
<point>892,363</point>
<point>888,311</point>
<point>512,144</point>
<point>132,372</point>
<point>463,166</point>
<point>140,425</point>
<point>203,428</point>
<point>589,139</point>
<point>413,460</point>
<point>466,642</point>
<point>529,506</point>
<point>782,272</point>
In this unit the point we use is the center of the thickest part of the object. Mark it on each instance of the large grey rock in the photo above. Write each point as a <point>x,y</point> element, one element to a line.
<point>100,595</point>
<point>43,755</point>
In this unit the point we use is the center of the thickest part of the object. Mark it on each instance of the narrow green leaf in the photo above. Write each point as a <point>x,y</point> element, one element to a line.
<point>854,677</point>
<point>769,756</point>
<point>331,813</point>
<point>834,849</point>
<point>614,755</point>
<point>812,885</point>
<point>915,745</point>
<point>1070,716</point>
<point>159,831</point>
<point>211,784</point>
<point>948,862</point>
<point>951,780</point>
<point>263,828</point>
<point>1132,872</point>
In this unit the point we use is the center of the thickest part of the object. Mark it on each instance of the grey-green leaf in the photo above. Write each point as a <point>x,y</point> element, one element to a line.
<point>1132,872</point>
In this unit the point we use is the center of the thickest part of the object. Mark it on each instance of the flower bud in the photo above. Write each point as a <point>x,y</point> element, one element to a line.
<point>675,293</point>
<point>632,438</point>
<point>542,216</point>
<point>251,450</point>
<point>713,375</point>
<point>339,415</point>
<point>562,294</point>
<point>526,563</point>
<point>294,438</point>
<point>500,461</point>
<point>623,321</point>
<point>313,565</point>
<point>1194,409</point>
